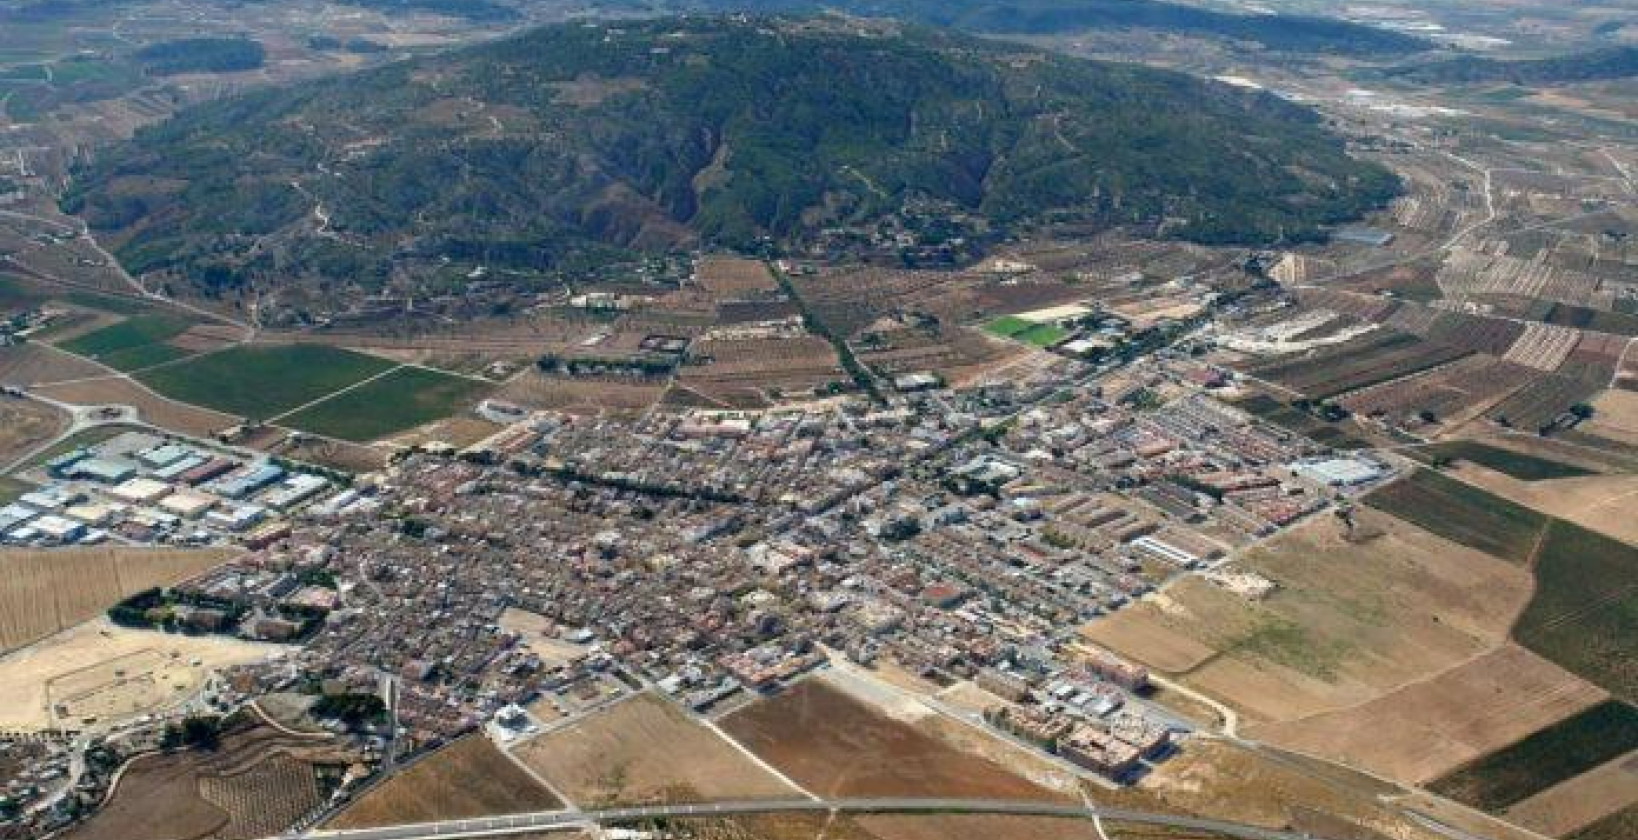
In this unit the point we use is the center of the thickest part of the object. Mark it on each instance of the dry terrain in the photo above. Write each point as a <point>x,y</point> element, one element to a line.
<point>835,745</point>
<point>25,424</point>
<point>1428,728</point>
<point>27,365</point>
<point>43,591</point>
<point>1581,801</point>
<point>646,749</point>
<point>1601,503</point>
<point>534,390</point>
<point>120,672</point>
<point>152,408</point>
<point>468,778</point>
<point>1354,617</point>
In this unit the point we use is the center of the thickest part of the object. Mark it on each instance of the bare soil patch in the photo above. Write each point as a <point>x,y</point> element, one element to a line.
<point>642,750</point>
<point>166,413</point>
<point>25,424</point>
<point>468,778</point>
<point>836,746</point>
<point>1427,728</point>
<point>27,365</point>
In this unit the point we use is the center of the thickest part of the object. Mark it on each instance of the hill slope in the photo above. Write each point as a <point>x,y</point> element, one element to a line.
<point>571,139</point>
<point>1597,65</point>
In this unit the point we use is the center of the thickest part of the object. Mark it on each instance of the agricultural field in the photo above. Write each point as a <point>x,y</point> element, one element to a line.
<point>1568,748</point>
<point>259,382</point>
<point>255,784</point>
<point>1621,825</point>
<point>1356,615</point>
<point>1427,728</point>
<point>1520,465</point>
<point>402,399</point>
<point>1343,435</point>
<point>119,671</point>
<point>25,424</point>
<point>43,591</point>
<point>470,777</point>
<point>1449,395</point>
<point>1462,514</point>
<point>835,745</point>
<point>1582,800</point>
<point>1584,613</point>
<point>1358,363</point>
<point>1535,406</point>
<point>532,389</point>
<point>645,749</point>
<point>136,342</point>
<point>733,277</point>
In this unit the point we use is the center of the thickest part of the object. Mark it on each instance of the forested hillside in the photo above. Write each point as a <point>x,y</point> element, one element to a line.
<point>653,135</point>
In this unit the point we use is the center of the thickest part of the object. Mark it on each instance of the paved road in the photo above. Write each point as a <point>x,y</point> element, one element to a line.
<point>548,820</point>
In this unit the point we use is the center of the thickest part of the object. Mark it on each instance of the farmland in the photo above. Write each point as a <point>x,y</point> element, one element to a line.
<point>834,745</point>
<point>1584,613</point>
<point>1367,360</point>
<point>136,342</point>
<point>1426,728</point>
<point>1338,435</point>
<point>468,778</point>
<point>1580,800</point>
<point>1519,465</point>
<point>44,591</point>
<point>402,399</point>
<point>1621,825</point>
<point>645,749</point>
<point>1387,604</point>
<point>1462,514</point>
<point>30,364</point>
<point>1572,746</point>
<point>256,783</point>
<point>261,382</point>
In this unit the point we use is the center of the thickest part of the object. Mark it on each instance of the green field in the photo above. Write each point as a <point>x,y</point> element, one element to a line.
<point>262,382</point>
<point>1584,613</point>
<point>1566,749</point>
<point>1043,335</point>
<point>133,343</point>
<point>1008,326</point>
<point>1516,464</point>
<point>1463,514</point>
<point>406,398</point>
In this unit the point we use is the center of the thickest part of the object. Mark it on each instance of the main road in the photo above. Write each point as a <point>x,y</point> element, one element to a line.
<point>511,824</point>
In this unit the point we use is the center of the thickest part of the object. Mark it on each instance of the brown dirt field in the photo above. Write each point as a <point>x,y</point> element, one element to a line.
<point>113,672</point>
<point>1352,618</point>
<point>1233,782</point>
<point>205,338</point>
<point>459,431</point>
<point>1574,803</point>
<point>25,424</point>
<point>533,390</point>
<point>468,778</point>
<point>728,276</point>
<point>1601,503</point>
<point>33,364</point>
<point>335,454</point>
<point>1615,416</point>
<point>611,757</point>
<point>988,826</point>
<point>256,783</point>
<point>835,745</point>
<point>159,411</point>
<point>44,591</point>
<point>1427,728</point>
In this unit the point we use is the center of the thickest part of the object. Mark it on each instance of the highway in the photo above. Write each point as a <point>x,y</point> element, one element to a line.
<point>510,824</point>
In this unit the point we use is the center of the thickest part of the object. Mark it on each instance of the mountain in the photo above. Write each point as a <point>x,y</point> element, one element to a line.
<point>569,141</point>
<point>1597,65</point>
<point>1277,31</point>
